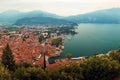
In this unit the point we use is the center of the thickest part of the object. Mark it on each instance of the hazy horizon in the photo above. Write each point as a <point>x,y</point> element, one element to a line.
<point>59,7</point>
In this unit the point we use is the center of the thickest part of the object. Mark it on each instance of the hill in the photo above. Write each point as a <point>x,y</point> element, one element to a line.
<point>44,21</point>
<point>12,16</point>
<point>100,16</point>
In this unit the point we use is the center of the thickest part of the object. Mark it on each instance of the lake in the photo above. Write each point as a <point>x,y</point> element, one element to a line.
<point>92,39</point>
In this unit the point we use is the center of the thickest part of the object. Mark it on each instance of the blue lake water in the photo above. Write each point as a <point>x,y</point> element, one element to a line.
<point>93,38</point>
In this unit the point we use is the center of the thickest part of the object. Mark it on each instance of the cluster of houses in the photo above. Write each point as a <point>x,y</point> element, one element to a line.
<point>25,45</point>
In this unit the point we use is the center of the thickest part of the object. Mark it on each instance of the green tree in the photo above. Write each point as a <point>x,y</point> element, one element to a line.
<point>100,68</point>
<point>69,55</point>
<point>8,58</point>
<point>57,41</point>
<point>41,38</point>
<point>4,73</point>
<point>53,74</point>
<point>31,73</point>
<point>20,73</point>
<point>115,55</point>
<point>0,36</point>
<point>44,61</point>
<point>71,71</point>
<point>23,64</point>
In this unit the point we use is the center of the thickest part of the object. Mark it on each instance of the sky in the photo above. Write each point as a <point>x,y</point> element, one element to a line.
<point>60,7</point>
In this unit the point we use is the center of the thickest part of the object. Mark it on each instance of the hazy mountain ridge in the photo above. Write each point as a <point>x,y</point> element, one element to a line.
<point>13,16</point>
<point>43,21</point>
<point>101,16</point>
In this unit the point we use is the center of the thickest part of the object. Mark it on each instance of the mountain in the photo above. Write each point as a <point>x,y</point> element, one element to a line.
<point>12,16</point>
<point>9,16</point>
<point>38,13</point>
<point>100,16</point>
<point>44,21</point>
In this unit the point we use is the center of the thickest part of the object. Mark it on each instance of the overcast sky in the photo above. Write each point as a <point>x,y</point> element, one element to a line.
<point>60,7</point>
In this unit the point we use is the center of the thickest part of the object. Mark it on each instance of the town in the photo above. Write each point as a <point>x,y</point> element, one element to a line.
<point>29,44</point>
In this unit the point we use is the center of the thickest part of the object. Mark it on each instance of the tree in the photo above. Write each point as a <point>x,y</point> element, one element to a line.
<point>53,74</point>
<point>30,73</point>
<point>100,68</point>
<point>44,62</point>
<point>115,55</point>
<point>71,71</point>
<point>8,58</point>
<point>57,41</point>
<point>24,39</point>
<point>0,36</point>
<point>69,55</point>
<point>41,38</point>
<point>4,73</point>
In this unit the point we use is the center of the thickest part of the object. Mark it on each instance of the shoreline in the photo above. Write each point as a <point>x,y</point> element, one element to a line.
<point>76,59</point>
<point>56,54</point>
